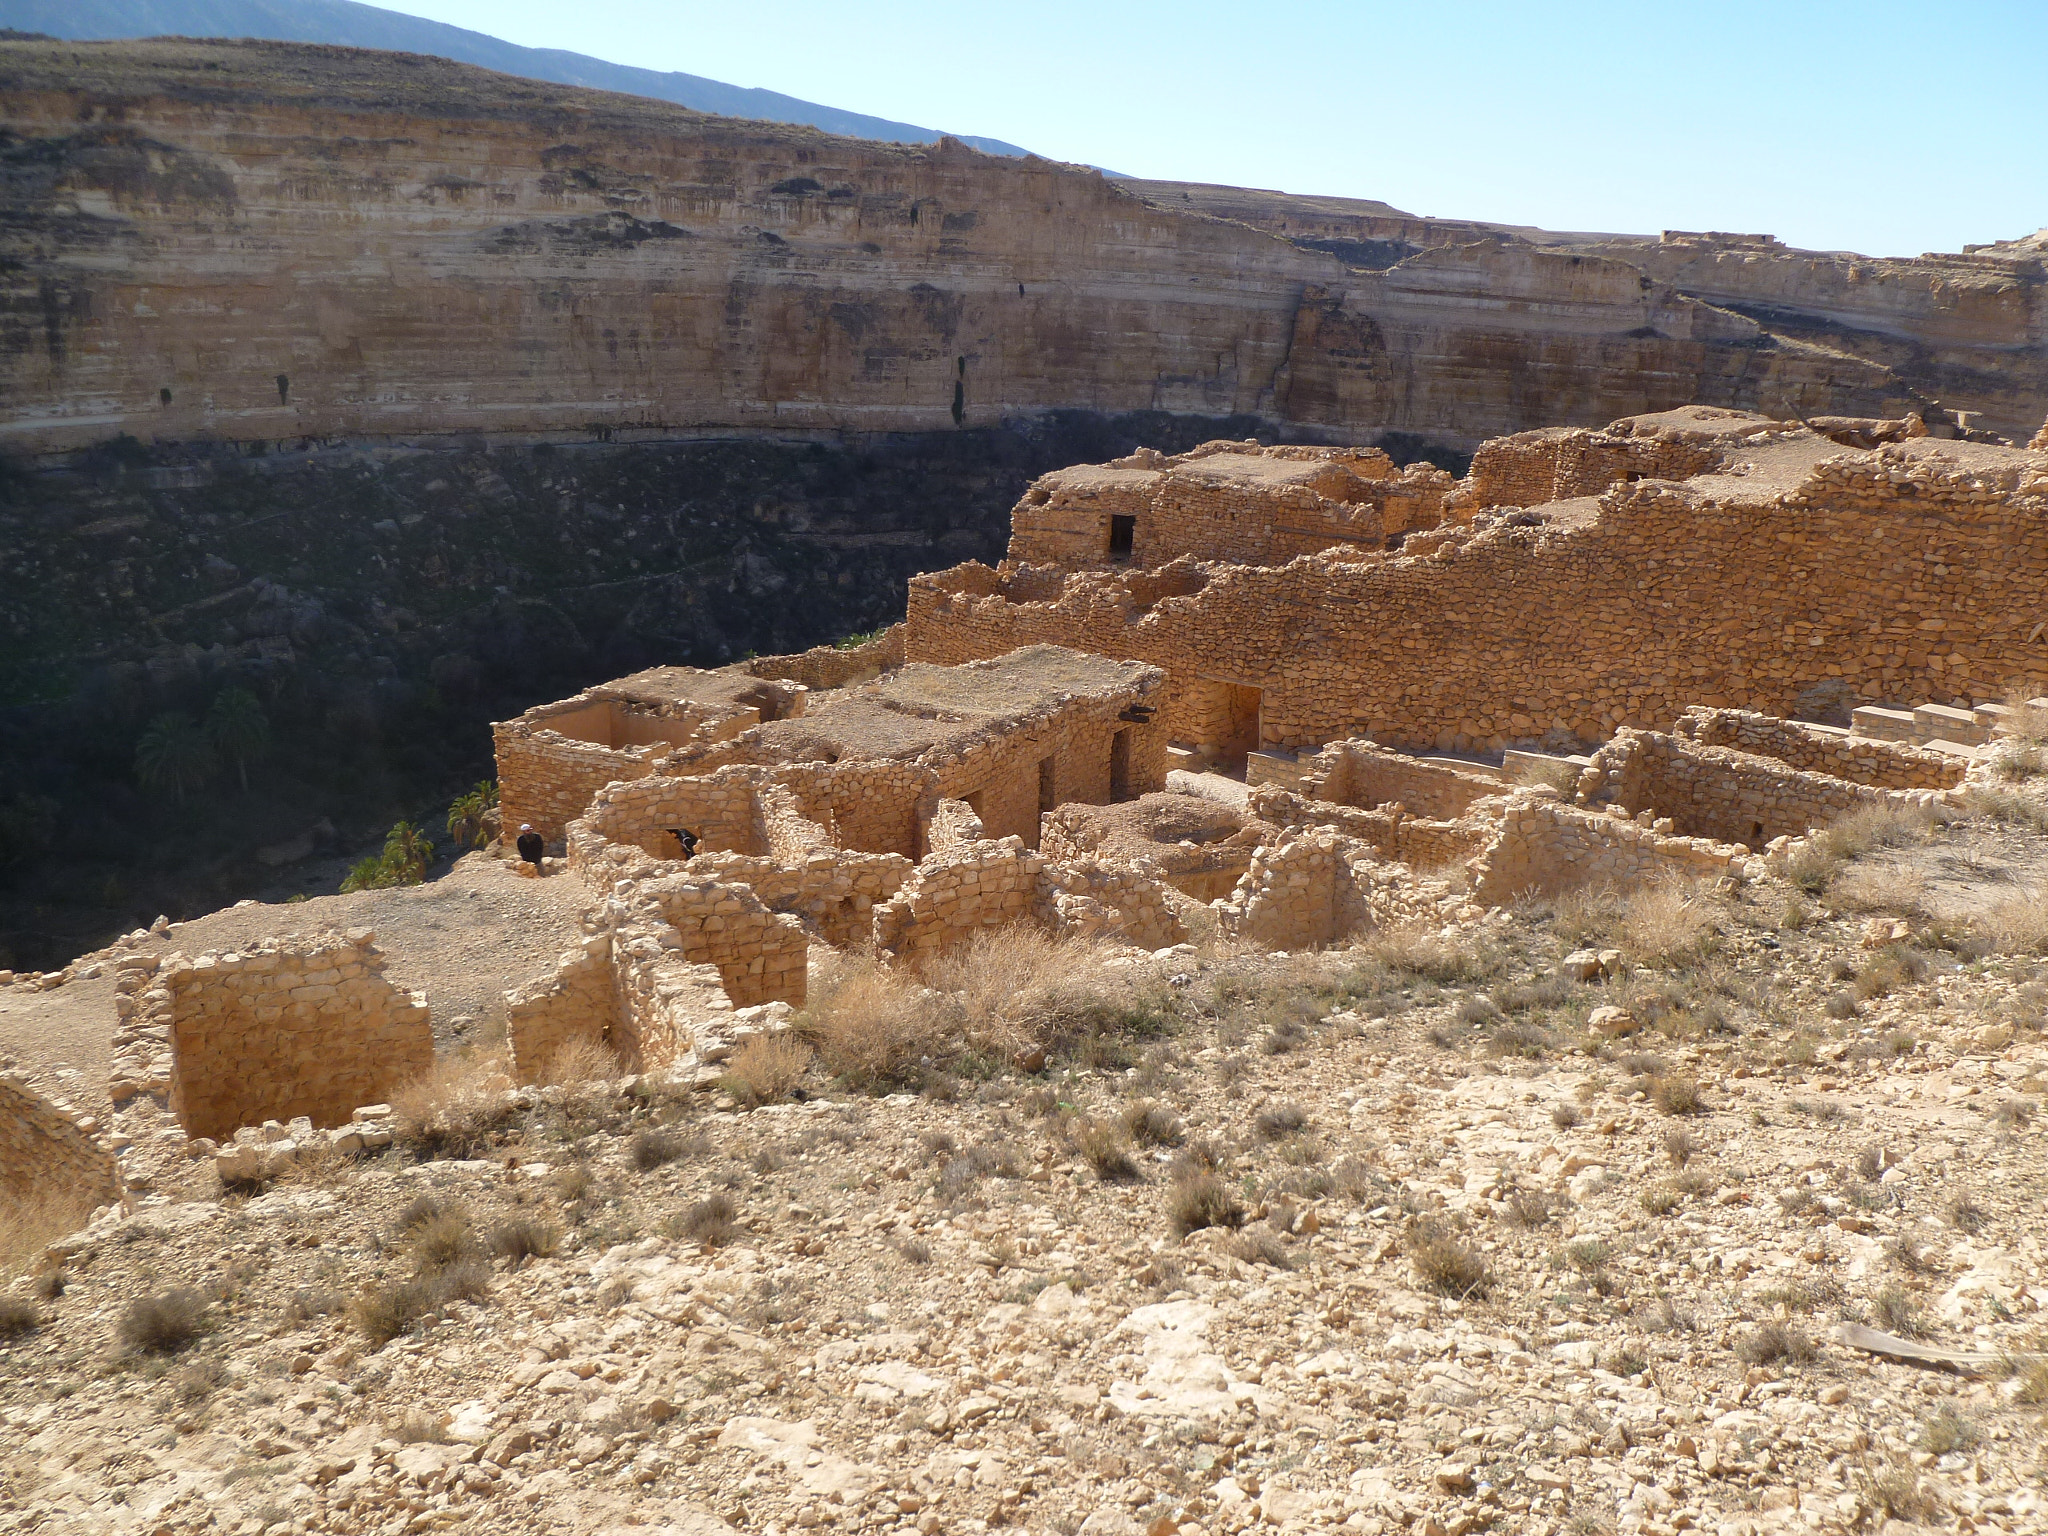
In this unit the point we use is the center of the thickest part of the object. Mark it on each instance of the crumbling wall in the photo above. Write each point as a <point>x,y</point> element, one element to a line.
<point>723,808</point>
<point>1558,463</point>
<point>549,1013</point>
<point>51,1157</point>
<point>664,1003</point>
<point>825,667</point>
<point>832,891</point>
<point>1820,749</point>
<point>1719,793</point>
<point>952,896</point>
<point>953,825</point>
<point>1314,886</point>
<point>1510,634</point>
<point>760,955</point>
<point>1545,847</point>
<point>300,1025</point>
<point>1203,870</point>
<point>1367,775</point>
<point>546,779</point>
<point>1091,899</point>
<point>1421,841</point>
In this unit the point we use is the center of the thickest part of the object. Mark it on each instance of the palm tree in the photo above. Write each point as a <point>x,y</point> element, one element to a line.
<point>238,729</point>
<point>407,852</point>
<point>174,754</point>
<point>468,817</point>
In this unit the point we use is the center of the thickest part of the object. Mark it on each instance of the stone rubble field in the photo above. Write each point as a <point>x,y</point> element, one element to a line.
<point>1552,1222</point>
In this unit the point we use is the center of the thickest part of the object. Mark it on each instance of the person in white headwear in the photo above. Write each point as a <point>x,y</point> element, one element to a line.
<point>531,846</point>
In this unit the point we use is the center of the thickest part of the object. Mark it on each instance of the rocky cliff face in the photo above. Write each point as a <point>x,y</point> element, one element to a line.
<point>275,241</point>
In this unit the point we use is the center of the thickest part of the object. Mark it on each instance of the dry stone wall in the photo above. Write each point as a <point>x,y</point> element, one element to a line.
<point>51,1156</point>
<point>576,1003</point>
<point>300,1025</point>
<point>546,779</point>
<point>1915,570</point>
<point>1420,841</point>
<point>1312,886</point>
<point>1367,775</point>
<point>955,895</point>
<point>824,667</point>
<point>1822,749</point>
<point>1545,847</point>
<point>760,955</point>
<point>1720,793</point>
<point>1560,463</point>
<point>1095,899</point>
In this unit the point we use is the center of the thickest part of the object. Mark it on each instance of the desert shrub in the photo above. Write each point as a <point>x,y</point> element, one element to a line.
<point>1200,1199</point>
<point>2032,1386</point>
<point>1151,1124</point>
<point>1945,1431</point>
<point>913,1250</point>
<point>1528,1209</point>
<point>2013,807</point>
<point>525,1237</point>
<point>712,1221</point>
<point>1445,1263</point>
<point>1660,1200</point>
<point>572,1182</point>
<point>1695,1181</point>
<point>1674,1094</point>
<point>454,1110</point>
<point>1897,1310</point>
<point>1417,950</point>
<point>1565,1116</point>
<point>1811,866</point>
<point>1199,1156</point>
<point>1965,1214</point>
<point>1873,827</point>
<point>651,1149</point>
<point>1898,1493</point>
<point>766,1067</point>
<point>1678,1146</point>
<point>164,1323</point>
<point>199,1381</point>
<point>18,1315</point>
<point>1259,1243</point>
<point>1892,967</point>
<point>384,1312</point>
<point>2017,925</point>
<point>1670,925</point>
<point>580,1059</point>
<point>1101,1143</point>
<point>310,1301</point>
<point>1880,888</point>
<point>416,1212</point>
<point>1769,1342</point>
<point>444,1239</point>
<point>1358,1181</point>
<point>1280,1121</point>
<point>872,1026</point>
<point>1841,1005</point>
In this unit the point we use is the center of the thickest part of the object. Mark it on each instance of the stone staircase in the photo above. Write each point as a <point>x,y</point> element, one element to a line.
<point>1946,728</point>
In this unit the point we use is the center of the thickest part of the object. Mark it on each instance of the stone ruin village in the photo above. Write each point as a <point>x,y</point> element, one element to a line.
<point>1474,867</point>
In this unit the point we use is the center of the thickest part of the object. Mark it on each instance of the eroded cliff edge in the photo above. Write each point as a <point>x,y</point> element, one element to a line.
<point>269,240</point>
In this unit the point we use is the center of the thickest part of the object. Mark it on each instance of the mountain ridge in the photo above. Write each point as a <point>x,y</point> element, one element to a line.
<point>348,24</point>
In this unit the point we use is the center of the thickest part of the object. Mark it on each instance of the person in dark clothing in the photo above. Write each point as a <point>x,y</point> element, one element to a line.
<point>531,846</point>
<point>687,838</point>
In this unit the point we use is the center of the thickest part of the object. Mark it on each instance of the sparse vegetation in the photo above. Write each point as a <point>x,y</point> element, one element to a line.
<point>1196,1200</point>
<point>1771,1342</point>
<point>18,1315</point>
<point>766,1067</point>
<point>163,1323</point>
<point>1445,1263</point>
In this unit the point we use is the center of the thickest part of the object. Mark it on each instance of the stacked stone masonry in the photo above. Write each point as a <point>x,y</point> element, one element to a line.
<point>300,1025</point>
<point>51,1155</point>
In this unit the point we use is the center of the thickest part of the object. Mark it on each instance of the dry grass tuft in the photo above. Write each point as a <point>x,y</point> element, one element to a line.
<point>1945,1430</point>
<point>164,1323</point>
<point>1152,1124</point>
<point>712,1221</point>
<point>1279,1122</point>
<point>1102,1144</point>
<point>1418,950</point>
<point>1896,1310</point>
<point>1769,1342</point>
<point>580,1060</point>
<point>1260,1244</point>
<point>1897,1493</point>
<point>766,1067</point>
<point>33,1223</point>
<point>1565,1116</point>
<point>1671,925</point>
<point>1881,888</point>
<point>872,1026</point>
<point>18,1315</point>
<point>1676,1095</point>
<point>1445,1263</point>
<point>2018,925</point>
<point>525,1237</point>
<point>456,1109</point>
<point>384,1312</point>
<point>1200,1199</point>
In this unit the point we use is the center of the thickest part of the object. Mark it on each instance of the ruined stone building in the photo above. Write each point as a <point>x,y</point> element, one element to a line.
<point>1277,695</point>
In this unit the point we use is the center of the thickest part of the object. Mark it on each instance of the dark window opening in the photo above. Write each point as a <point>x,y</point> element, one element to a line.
<point>284,388</point>
<point>1046,797</point>
<point>1756,832</point>
<point>164,395</point>
<point>1120,766</point>
<point>1123,534</point>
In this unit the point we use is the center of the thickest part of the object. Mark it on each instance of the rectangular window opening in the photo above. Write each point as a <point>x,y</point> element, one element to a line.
<point>1123,534</point>
<point>1047,798</point>
<point>1120,766</point>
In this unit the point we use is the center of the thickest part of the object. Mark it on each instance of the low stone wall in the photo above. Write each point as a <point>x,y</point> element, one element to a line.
<point>1203,870</point>
<point>1365,774</point>
<point>1558,463</point>
<point>1419,841</point>
<point>546,779</point>
<point>826,666</point>
<point>761,955</point>
<point>665,1004</point>
<point>954,825</point>
<point>952,896</point>
<point>1545,847</point>
<point>575,1003</point>
<point>1314,886</point>
<point>51,1157</point>
<point>833,892</point>
<point>300,1025</point>
<point>723,808</point>
<point>142,1033</point>
<point>1717,792</point>
<point>1816,749</point>
<point>1094,900</point>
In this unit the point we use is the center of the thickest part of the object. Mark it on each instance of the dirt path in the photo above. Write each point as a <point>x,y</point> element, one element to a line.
<point>465,938</point>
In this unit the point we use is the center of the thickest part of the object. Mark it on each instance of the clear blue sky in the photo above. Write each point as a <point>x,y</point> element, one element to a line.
<point>1889,128</point>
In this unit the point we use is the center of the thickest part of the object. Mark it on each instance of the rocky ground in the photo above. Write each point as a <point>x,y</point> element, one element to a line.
<point>1491,1248</point>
